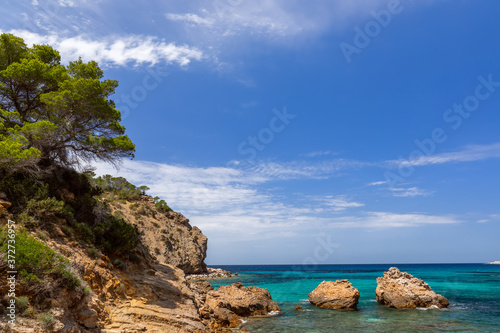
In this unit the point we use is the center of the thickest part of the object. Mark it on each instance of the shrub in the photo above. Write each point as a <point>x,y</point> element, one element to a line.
<point>157,251</point>
<point>87,290</point>
<point>22,303</point>
<point>164,231</point>
<point>36,261</point>
<point>195,238</point>
<point>66,230</point>
<point>118,264</point>
<point>115,235</point>
<point>156,225</point>
<point>47,320</point>
<point>42,235</point>
<point>134,257</point>
<point>162,206</point>
<point>93,252</point>
<point>41,211</point>
<point>120,186</point>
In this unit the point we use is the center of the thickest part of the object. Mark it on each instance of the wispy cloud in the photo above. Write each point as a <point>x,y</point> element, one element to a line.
<point>222,200</point>
<point>339,203</point>
<point>190,18</point>
<point>409,192</point>
<point>320,153</point>
<point>116,50</point>
<point>470,153</point>
<point>382,182</point>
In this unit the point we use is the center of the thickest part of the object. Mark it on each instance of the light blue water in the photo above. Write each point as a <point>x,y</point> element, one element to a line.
<point>472,289</point>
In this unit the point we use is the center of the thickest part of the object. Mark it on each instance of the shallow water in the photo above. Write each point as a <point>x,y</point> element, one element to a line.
<point>472,289</point>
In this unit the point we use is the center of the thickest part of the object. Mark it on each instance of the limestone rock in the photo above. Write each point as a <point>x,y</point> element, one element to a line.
<point>4,206</point>
<point>335,295</point>
<point>212,273</point>
<point>229,303</point>
<point>167,235</point>
<point>402,290</point>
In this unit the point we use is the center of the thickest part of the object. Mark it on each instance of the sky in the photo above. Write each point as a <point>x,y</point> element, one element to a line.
<point>302,132</point>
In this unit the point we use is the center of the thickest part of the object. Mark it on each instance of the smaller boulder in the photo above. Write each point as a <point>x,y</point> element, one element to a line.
<point>335,295</point>
<point>400,290</point>
<point>229,303</point>
<point>298,307</point>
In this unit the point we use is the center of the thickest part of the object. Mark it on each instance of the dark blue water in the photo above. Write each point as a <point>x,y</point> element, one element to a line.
<point>472,289</point>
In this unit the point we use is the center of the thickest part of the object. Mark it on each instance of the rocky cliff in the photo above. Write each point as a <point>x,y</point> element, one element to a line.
<point>147,292</point>
<point>167,235</point>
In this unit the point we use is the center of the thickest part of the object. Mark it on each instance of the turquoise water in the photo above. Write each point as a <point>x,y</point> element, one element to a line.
<point>472,289</point>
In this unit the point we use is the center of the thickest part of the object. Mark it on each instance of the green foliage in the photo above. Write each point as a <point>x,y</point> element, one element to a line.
<point>55,113</point>
<point>119,186</point>
<point>118,264</point>
<point>156,225</point>
<point>22,303</point>
<point>162,206</point>
<point>115,235</point>
<point>42,211</point>
<point>157,251</point>
<point>87,290</point>
<point>36,262</point>
<point>93,252</point>
<point>47,320</point>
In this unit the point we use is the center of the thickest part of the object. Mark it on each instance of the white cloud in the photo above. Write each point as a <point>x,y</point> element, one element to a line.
<point>382,182</point>
<point>339,203</point>
<point>321,153</point>
<point>409,192</point>
<point>275,17</point>
<point>115,50</point>
<point>222,200</point>
<point>66,3</point>
<point>471,153</point>
<point>189,18</point>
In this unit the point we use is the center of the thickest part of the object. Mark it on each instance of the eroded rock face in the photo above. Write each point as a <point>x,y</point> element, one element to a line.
<point>335,295</point>
<point>229,303</point>
<point>4,204</point>
<point>167,235</point>
<point>399,290</point>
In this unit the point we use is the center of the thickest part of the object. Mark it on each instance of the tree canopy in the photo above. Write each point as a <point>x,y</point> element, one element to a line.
<point>52,113</point>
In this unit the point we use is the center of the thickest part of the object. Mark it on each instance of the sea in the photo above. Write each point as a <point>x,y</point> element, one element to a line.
<point>473,291</point>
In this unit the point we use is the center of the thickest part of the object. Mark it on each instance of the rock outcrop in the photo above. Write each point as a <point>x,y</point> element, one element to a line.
<point>4,204</point>
<point>212,273</point>
<point>402,290</point>
<point>335,295</point>
<point>494,263</point>
<point>167,235</point>
<point>225,306</point>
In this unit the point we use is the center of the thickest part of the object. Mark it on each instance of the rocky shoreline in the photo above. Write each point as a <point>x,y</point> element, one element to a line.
<point>212,273</point>
<point>493,263</point>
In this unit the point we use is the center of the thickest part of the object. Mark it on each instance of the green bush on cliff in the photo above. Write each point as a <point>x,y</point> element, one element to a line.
<point>36,262</point>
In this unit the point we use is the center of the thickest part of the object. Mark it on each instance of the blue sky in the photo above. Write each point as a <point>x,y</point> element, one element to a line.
<point>303,132</point>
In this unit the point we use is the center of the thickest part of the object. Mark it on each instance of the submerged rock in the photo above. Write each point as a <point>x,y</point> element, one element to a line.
<point>228,303</point>
<point>335,295</point>
<point>399,290</point>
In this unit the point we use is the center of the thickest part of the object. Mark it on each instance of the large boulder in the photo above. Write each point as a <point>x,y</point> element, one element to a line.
<point>402,290</point>
<point>335,295</point>
<point>229,303</point>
